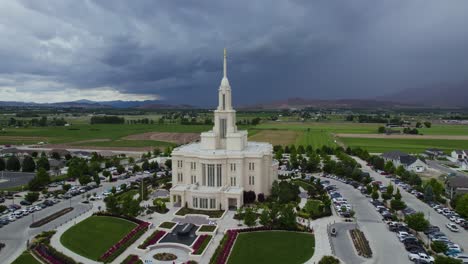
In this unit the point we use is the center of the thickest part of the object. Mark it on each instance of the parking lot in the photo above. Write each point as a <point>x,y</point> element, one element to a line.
<point>9,179</point>
<point>384,244</point>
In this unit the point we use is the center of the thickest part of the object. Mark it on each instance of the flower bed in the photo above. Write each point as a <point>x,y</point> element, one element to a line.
<point>165,257</point>
<point>153,239</point>
<point>210,213</point>
<point>132,259</point>
<point>167,225</point>
<point>51,217</point>
<point>50,255</point>
<point>200,244</point>
<point>124,243</point>
<point>361,243</point>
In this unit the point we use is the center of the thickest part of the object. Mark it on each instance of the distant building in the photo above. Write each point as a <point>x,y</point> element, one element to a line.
<point>455,185</point>
<point>460,157</point>
<point>408,162</point>
<point>434,153</point>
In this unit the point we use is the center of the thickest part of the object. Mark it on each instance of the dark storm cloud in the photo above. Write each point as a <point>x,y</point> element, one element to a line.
<point>277,49</point>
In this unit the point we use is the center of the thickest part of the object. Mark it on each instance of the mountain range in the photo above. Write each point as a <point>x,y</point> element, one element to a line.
<point>436,96</point>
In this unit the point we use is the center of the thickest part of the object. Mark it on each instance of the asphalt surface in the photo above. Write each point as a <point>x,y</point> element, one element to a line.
<point>10,179</point>
<point>16,234</point>
<point>461,238</point>
<point>344,248</point>
<point>436,165</point>
<point>386,248</point>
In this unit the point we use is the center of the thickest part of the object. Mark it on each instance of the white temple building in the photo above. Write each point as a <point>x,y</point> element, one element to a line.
<point>214,173</point>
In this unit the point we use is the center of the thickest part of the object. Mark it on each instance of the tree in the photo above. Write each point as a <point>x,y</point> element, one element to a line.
<point>461,205</point>
<point>397,194</point>
<point>265,217</point>
<point>375,195</point>
<point>145,165</point>
<point>250,216</point>
<point>66,187</point>
<point>287,217</point>
<point>439,247</point>
<point>369,188</point>
<point>417,222</point>
<point>418,124</point>
<point>84,179</point>
<point>13,164</point>
<point>28,164</point>
<point>168,163</point>
<point>381,130</point>
<point>120,169</point>
<point>389,167</point>
<point>261,197</point>
<point>329,260</point>
<point>441,259</point>
<point>2,164</point>
<point>41,179</point>
<point>31,197</point>
<point>428,194</point>
<point>249,197</point>
<point>397,205</point>
<point>427,124</point>
<point>400,170</point>
<point>55,155</point>
<point>43,162</point>
<point>96,179</point>
<point>112,205</point>
<point>130,206</point>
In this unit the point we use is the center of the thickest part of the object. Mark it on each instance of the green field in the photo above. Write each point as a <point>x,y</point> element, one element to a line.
<point>445,130</point>
<point>26,258</point>
<point>95,235</point>
<point>377,145</point>
<point>272,247</point>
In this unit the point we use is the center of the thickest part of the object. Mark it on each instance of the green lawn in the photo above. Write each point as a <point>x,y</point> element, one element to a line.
<point>95,235</point>
<point>272,247</point>
<point>26,258</point>
<point>377,145</point>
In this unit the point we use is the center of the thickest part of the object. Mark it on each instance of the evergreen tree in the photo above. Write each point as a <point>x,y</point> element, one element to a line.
<point>2,164</point>
<point>28,164</point>
<point>43,162</point>
<point>13,164</point>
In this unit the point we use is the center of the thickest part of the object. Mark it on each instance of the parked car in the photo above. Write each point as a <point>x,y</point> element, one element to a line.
<point>421,258</point>
<point>452,227</point>
<point>24,202</point>
<point>462,257</point>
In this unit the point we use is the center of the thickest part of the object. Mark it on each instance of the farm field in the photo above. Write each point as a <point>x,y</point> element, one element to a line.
<point>377,145</point>
<point>94,235</point>
<point>272,247</point>
<point>276,137</point>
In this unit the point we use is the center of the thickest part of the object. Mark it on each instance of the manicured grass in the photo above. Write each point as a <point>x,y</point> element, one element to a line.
<point>26,258</point>
<point>95,235</point>
<point>207,228</point>
<point>316,138</point>
<point>130,193</point>
<point>167,225</point>
<point>437,129</point>
<point>377,145</point>
<point>272,247</point>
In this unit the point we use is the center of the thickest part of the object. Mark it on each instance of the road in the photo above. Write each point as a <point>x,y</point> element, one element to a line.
<point>434,218</point>
<point>436,165</point>
<point>16,234</point>
<point>384,244</point>
<point>126,152</point>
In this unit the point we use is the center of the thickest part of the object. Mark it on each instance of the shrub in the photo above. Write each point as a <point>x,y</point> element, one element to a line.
<point>153,239</point>
<point>201,243</point>
<point>439,247</point>
<point>329,260</point>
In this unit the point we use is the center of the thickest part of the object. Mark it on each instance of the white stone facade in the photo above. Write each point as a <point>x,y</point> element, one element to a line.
<point>213,174</point>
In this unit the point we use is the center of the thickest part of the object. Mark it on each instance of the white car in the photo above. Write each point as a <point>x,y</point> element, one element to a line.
<point>459,220</point>
<point>421,258</point>
<point>452,227</point>
<point>402,234</point>
<point>462,257</point>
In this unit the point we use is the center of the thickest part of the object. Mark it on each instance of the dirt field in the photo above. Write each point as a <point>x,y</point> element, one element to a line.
<point>178,138</point>
<point>19,138</point>
<point>403,136</point>
<point>277,137</point>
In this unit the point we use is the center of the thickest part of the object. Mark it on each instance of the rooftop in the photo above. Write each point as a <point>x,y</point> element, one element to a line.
<point>252,148</point>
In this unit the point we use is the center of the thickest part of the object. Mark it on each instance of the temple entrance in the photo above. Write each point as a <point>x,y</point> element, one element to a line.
<point>232,203</point>
<point>177,200</point>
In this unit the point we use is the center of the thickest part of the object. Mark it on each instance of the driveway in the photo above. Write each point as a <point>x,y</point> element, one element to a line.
<point>434,218</point>
<point>343,245</point>
<point>384,244</point>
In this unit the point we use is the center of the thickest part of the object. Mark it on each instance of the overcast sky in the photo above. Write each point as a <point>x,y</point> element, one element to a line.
<point>61,50</point>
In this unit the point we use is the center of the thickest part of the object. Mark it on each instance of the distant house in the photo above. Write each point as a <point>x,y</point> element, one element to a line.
<point>408,162</point>
<point>455,185</point>
<point>461,158</point>
<point>434,153</point>
<point>81,154</point>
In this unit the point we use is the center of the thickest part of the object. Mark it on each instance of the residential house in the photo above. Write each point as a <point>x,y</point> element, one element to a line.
<point>409,162</point>
<point>460,157</point>
<point>455,185</point>
<point>434,152</point>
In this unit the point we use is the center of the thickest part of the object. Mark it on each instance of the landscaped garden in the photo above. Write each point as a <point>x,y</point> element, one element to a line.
<point>152,239</point>
<point>272,247</point>
<point>212,214</point>
<point>207,228</point>
<point>93,236</point>
<point>167,225</point>
<point>26,258</point>
<point>200,244</point>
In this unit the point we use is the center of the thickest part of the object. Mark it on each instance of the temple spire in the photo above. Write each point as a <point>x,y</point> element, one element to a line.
<point>225,64</point>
